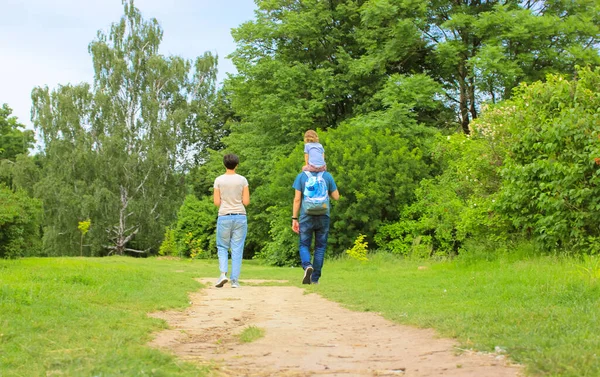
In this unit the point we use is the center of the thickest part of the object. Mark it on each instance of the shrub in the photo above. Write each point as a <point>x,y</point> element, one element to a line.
<point>195,229</point>
<point>551,176</point>
<point>456,205</point>
<point>359,250</point>
<point>169,244</point>
<point>20,218</point>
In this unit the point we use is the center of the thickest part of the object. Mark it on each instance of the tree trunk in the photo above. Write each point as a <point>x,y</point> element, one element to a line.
<point>464,98</point>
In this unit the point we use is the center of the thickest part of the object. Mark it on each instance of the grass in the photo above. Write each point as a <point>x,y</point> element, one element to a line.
<point>88,317</point>
<point>544,311</point>
<point>250,334</point>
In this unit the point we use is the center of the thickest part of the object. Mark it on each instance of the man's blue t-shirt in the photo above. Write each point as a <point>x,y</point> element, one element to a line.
<point>300,182</point>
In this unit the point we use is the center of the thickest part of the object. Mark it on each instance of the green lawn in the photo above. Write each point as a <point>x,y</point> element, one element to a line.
<point>87,316</point>
<point>545,312</point>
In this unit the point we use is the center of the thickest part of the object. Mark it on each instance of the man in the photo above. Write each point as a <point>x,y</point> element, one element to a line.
<point>309,221</point>
<point>231,195</point>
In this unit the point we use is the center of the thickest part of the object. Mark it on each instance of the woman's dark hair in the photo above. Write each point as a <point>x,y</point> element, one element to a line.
<point>231,161</point>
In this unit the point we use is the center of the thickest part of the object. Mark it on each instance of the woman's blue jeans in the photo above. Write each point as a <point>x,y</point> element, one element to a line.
<point>231,234</point>
<point>319,227</point>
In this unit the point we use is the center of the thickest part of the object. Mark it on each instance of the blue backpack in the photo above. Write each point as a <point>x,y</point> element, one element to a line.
<point>316,195</point>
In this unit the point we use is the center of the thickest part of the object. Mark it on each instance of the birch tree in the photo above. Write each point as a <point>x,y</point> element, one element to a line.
<point>116,151</point>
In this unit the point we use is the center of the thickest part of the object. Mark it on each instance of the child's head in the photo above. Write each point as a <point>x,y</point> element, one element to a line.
<point>231,161</point>
<point>311,136</point>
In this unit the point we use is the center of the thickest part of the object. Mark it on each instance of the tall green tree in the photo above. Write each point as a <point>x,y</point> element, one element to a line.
<point>116,152</point>
<point>481,50</point>
<point>15,143</point>
<point>14,138</point>
<point>297,70</point>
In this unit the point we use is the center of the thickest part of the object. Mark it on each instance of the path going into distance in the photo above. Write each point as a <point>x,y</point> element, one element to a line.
<point>307,335</point>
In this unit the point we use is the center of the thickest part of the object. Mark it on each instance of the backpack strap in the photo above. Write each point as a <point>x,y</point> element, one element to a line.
<point>308,173</point>
<point>320,176</point>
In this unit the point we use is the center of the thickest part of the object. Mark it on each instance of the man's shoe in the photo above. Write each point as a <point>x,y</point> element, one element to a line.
<point>314,282</point>
<point>235,284</point>
<point>221,282</point>
<point>307,274</point>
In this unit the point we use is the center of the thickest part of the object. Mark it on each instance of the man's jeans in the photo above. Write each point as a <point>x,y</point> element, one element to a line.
<point>319,226</point>
<point>231,234</point>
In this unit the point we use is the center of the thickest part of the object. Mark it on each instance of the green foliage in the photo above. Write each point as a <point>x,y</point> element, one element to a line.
<point>269,224</point>
<point>169,245</point>
<point>478,50</point>
<point>359,250</point>
<point>84,226</point>
<point>194,233</point>
<point>14,139</point>
<point>117,151</point>
<point>298,69</point>
<point>376,170</point>
<point>590,268</point>
<point>456,205</point>
<point>552,176</point>
<point>20,218</point>
<point>15,143</point>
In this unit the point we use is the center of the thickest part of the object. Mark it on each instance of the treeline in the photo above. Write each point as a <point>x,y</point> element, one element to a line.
<point>443,123</point>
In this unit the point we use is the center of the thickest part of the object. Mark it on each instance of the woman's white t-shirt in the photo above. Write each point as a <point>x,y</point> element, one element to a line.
<point>231,187</point>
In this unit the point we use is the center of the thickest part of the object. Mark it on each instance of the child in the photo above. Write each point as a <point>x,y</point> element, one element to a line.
<point>314,154</point>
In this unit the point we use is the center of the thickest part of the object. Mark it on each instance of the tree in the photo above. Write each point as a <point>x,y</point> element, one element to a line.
<point>14,139</point>
<point>116,153</point>
<point>20,218</point>
<point>481,50</point>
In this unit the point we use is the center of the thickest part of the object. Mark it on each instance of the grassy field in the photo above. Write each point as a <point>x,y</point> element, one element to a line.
<point>544,311</point>
<point>87,317</point>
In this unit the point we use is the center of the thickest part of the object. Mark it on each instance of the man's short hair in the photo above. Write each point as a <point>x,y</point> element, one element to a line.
<point>231,161</point>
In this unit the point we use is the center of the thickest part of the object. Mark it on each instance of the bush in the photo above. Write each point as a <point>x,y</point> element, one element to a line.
<point>458,204</point>
<point>169,244</point>
<point>551,187</point>
<point>20,218</point>
<point>194,232</point>
<point>359,250</point>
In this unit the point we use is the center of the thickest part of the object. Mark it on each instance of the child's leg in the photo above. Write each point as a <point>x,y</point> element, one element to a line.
<point>313,168</point>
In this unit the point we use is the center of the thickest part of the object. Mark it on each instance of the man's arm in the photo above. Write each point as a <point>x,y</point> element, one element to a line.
<point>296,211</point>
<point>335,195</point>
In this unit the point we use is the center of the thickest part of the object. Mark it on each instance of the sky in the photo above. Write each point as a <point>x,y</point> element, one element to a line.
<point>44,42</point>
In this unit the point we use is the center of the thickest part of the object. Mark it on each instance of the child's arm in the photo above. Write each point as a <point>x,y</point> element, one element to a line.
<point>305,158</point>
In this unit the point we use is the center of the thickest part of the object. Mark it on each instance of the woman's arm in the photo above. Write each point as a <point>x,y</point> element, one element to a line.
<point>217,197</point>
<point>246,196</point>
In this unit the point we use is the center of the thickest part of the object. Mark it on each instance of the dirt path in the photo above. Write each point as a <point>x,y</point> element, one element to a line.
<point>306,335</point>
